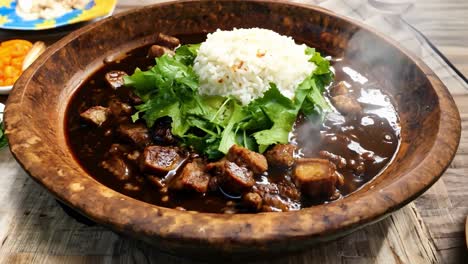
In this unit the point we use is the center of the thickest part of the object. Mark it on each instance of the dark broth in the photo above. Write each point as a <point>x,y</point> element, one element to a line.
<point>369,141</point>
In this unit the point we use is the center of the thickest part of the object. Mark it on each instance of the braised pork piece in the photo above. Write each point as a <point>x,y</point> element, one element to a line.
<point>324,161</point>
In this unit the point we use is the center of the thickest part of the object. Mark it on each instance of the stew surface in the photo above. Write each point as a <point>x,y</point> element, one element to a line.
<point>357,145</point>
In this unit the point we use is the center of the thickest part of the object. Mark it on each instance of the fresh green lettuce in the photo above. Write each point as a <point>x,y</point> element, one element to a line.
<point>212,124</point>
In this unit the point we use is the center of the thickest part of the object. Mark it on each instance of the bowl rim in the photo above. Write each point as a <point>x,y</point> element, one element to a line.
<point>6,89</point>
<point>237,229</point>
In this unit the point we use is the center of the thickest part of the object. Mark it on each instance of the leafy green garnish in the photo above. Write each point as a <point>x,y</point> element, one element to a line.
<point>3,139</point>
<point>212,124</point>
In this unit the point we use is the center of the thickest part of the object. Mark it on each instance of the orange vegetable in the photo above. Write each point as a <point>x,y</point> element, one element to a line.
<point>12,54</point>
<point>17,62</point>
<point>16,42</point>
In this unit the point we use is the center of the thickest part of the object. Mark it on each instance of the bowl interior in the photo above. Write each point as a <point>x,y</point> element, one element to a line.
<point>43,92</point>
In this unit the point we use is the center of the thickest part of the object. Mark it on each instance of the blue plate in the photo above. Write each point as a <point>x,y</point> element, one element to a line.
<point>95,9</point>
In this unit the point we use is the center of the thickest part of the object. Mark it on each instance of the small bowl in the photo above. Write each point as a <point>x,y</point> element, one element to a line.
<point>35,126</point>
<point>5,89</point>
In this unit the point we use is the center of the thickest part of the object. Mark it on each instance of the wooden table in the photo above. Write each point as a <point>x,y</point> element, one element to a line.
<point>34,229</point>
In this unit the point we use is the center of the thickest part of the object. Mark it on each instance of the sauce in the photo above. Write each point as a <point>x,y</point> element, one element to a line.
<point>366,143</point>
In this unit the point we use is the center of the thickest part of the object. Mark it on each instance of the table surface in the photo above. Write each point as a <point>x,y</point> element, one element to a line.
<point>34,229</point>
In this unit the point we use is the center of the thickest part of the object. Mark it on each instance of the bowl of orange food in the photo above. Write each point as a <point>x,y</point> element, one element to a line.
<point>15,56</point>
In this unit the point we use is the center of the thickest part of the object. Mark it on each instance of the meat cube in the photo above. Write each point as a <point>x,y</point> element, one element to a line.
<point>167,41</point>
<point>315,177</point>
<point>346,105</point>
<point>117,166</point>
<point>157,51</point>
<point>288,190</point>
<point>244,157</point>
<point>281,155</point>
<point>192,178</point>
<point>119,109</point>
<point>339,89</point>
<point>276,197</point>
<point>236,179</point>
<point>96,115</point>
<point>231,177</point>
<point>274,203</point>
<point>253,201</point>
<point>135,133</point>
<point>115,79</point>
<point>158,159</point>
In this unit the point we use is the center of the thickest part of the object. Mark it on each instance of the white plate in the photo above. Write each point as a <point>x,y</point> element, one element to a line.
<point>5,89</point>
<point>2,108</point>
<point>94,9</point>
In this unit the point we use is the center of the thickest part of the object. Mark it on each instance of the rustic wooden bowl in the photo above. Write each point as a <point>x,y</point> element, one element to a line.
<point>36,107</point>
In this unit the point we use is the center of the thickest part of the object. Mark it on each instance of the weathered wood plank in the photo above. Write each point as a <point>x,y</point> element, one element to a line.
<point>445,24</point>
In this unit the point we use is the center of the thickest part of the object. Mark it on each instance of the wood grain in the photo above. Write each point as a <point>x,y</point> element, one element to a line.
<point>33,229</point>
<point>445,24</point>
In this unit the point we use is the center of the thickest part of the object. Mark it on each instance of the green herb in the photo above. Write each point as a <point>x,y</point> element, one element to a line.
<point>212,124</point>
<point>3,139</point>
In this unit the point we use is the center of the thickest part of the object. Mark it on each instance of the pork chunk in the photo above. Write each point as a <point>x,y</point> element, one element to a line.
<point>96,115</point>
<point>192,178</point>
<point>158,159</point>
<point>117,166</point>
<point>167,41</point>
<point>281,155</point>
<point>346,105</point>
<point>244,157</point>
<point>115,79</point>
<point>276,197</point>
<point>232,178</point>
<point>157,51</point>
<point>136,133</point>
<point>253,201</point>
<point>119,109</point>
<point>316,177</point>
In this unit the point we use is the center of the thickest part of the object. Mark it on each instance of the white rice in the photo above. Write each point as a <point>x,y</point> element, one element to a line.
<point>243,62</point>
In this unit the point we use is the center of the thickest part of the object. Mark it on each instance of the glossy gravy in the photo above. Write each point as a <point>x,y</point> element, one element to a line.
<point>367,142</point>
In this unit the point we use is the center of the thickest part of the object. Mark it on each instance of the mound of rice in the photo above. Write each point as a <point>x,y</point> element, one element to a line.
<point>243,62</point>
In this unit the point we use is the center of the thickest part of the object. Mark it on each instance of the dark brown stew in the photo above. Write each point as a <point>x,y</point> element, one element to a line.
<point>358,139</point>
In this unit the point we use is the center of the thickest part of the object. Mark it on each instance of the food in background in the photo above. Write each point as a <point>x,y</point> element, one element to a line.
<point>12,54</point>
<point>47,9</point>
<point>15,56</point>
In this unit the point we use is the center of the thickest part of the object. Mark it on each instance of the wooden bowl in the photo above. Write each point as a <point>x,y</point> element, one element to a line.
<point>430,128</point>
